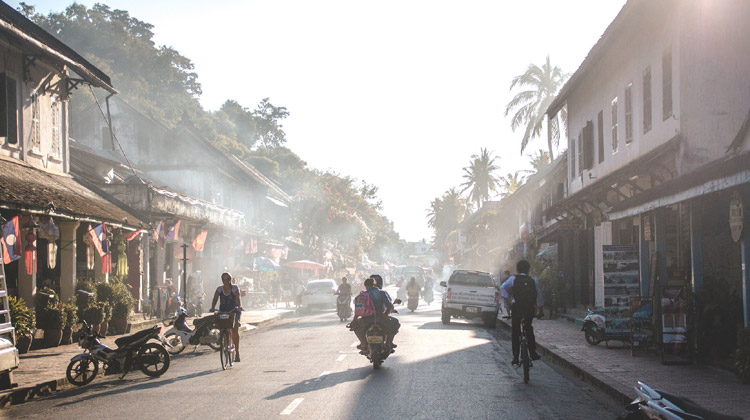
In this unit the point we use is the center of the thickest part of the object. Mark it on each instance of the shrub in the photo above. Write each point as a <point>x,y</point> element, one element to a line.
<point>122,300</point>
<point>71,313</point>
<point>52,317</point>
<point>21,317</point>
<point>93,315</point>
<point>742,355</point>
<point>104,292</point>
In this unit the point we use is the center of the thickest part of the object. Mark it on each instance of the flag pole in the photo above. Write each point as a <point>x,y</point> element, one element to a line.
<point>184,274</point>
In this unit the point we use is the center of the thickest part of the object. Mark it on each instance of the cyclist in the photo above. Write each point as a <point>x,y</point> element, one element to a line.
<point>230,300</point>
<point>522,294</point>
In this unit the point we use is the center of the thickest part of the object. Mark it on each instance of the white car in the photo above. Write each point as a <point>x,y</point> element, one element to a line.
<point>470,294</point>
<point>320,293</point>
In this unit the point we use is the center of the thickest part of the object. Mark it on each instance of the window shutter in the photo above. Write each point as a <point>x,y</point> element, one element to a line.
<point>588,146</point>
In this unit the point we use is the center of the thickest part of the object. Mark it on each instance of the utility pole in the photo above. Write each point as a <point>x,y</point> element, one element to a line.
<point>184,273</point>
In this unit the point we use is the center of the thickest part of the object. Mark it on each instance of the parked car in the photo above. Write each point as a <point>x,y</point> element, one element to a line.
<point>470,294</point>
<point>319,294</point>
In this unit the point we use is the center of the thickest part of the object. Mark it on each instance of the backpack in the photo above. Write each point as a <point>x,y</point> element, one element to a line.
<point>524,292</point>
<point>363,305</point>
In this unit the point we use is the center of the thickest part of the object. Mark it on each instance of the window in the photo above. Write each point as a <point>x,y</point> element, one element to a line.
<point>8,109</point>
<point>56,123</point>
<point>629,114</point>
<point>107,143</point>
<point>573,159</point>
<point>588,145</point>
<point>666,83</point>
<point>471,279</point>
<point>36,128</point>
<point>580,154</point>
<point>646,100</point>
<point>600,135</point>
<point>614,125</point>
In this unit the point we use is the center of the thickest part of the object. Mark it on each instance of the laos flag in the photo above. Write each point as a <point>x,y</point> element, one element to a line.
<point>99,239</point>
<point>11,241</point>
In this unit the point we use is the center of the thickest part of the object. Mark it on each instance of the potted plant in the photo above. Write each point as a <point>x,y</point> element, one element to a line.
<point>53,323</point>
<point>107,311</point>
<point>71,319</point>
<point>122,304</point>
<point>94,315</point>
<point>23,322</point>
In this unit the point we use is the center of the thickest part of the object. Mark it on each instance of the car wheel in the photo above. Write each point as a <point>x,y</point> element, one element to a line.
<point>446,318</point>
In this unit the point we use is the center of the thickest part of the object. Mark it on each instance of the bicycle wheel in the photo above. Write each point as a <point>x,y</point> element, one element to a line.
<point>224,353</point>
<point>525,360</point>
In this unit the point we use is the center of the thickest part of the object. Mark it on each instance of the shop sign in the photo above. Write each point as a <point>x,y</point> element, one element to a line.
<point>736,217</point>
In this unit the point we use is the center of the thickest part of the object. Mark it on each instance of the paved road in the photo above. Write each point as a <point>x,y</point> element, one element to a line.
<point>308,368</point>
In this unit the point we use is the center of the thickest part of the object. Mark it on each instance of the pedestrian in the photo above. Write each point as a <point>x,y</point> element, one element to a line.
<point>298,295</point>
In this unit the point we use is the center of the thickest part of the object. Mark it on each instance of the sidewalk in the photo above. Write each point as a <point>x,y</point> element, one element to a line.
<point>42,371</point>
<point>615,371</point>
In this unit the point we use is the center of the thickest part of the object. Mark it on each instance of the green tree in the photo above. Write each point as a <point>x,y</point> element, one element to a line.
<point>541,85</point>
<point>480,177</point>
<point>539,160</point>
<point>444,215</point>
<point>512,182</point>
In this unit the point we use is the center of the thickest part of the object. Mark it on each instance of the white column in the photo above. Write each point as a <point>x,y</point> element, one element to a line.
<point>68,254</point>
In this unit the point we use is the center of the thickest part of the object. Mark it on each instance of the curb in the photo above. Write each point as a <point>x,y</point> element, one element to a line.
<point>21,395</point>
<point>577,371</point>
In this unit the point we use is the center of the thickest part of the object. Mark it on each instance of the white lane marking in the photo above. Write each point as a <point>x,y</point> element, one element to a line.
<point>341,358</point>
<point>287,411</point>
<point>327,372</point>
<point>354,344</point>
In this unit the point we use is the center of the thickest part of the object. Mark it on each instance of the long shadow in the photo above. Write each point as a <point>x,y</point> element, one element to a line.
<point>39,356</point>
<point>321,382</point>
<point>135,384</point>
<point>438,325</point>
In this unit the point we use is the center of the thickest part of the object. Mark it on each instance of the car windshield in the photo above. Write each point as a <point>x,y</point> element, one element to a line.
<point>472,279</point>
<point>319,286</point>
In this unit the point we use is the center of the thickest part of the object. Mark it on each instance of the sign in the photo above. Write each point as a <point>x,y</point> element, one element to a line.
<point>621,282</point>
<point>736,216</point>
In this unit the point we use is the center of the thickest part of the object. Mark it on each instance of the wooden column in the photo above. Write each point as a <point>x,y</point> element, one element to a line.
<point>68,259</point>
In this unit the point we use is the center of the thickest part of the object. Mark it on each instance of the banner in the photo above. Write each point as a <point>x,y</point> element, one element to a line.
<point>133,235</point>
<point>172,231</point>
<point>200,240</point>
<point>10,240</point>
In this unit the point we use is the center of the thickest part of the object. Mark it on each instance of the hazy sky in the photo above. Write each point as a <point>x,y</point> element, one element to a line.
<point>396,93</point>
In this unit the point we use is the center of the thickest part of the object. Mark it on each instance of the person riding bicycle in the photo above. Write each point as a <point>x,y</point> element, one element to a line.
<point>522,294</point>
<point>230,300</point>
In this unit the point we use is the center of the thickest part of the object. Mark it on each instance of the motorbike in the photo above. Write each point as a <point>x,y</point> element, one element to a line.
<point>413,302</point>
<point>651,403</point>
<point>378,347</point>
<point>595,331</point>
<point>428,294</point>
<point>343,306</point>
<point>401,294</point>
<point>135,351</point>
<point>180,335</point>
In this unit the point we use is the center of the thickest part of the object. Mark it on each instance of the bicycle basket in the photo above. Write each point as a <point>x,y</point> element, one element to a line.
<point>224,320</point>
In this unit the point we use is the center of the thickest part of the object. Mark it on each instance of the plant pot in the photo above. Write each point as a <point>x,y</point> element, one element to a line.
<point>67,335</point>
<point>103,327</point>
<point>52,338</point>
<point>118,326</point>
<point>23,343</point>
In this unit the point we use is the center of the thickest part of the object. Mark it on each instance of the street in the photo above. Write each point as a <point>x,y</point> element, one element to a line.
<point>307,367</point>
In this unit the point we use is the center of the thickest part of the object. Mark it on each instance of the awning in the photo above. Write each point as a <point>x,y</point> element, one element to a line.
<point>26,188</point>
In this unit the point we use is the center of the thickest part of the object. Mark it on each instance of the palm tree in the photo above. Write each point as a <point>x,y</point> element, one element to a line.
<point>539,160</point>
<point>530,105</point>
<point>480,177</point>
<point>512,182</point>
<point>445,214</point>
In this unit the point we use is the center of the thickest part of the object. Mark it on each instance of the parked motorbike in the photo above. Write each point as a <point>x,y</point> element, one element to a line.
<point>378,347</point>
<point>135,351</point>
<point>651,403</point>
<point>595,331</point>
<point>413,302</point>
<point>181,335</point>
<point>343,306</point>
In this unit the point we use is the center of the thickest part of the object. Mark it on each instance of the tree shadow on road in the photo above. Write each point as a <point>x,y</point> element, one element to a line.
<point>325,381</point>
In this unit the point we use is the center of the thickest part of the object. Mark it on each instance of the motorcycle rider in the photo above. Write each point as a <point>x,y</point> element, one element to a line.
<point>345,289</point>
<point>393,324</point>
<point>522,294</point>
<point>413,289</point>
<point>230,300</point>
<point>360,325</point>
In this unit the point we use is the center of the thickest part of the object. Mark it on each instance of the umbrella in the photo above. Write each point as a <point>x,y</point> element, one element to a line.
<point>265,264</point>
<point>305,265</point>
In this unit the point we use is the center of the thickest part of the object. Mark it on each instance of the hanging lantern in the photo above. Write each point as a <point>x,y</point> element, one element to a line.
<point>122,259</point>
<point>29,253</point>
<point>52,254</point>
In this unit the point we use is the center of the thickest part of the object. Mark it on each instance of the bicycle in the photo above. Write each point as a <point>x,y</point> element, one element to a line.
<point>224,321</point>
<point>524,355</point>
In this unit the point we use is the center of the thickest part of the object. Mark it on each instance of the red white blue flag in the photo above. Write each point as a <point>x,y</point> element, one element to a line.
<point>11,241</point>
<point>172,231</point>
<point>99,239</point>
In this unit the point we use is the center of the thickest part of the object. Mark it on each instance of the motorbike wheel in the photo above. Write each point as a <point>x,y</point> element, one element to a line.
<point>82,371</point>
<point>591,336</point>
<point>216,334</point>
<point>174,340</point>
<point>153,359</point>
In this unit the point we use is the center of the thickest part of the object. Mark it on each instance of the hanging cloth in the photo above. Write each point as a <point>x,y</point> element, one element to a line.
<point>122,260</point>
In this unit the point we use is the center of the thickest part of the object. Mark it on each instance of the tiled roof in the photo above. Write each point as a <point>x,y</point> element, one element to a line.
<point>24,187</point>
